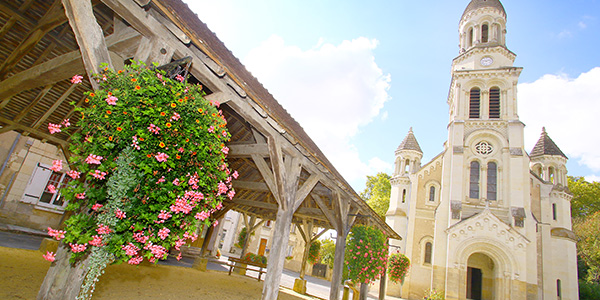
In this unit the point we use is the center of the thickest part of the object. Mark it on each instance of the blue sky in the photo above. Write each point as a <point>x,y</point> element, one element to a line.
<point>357,76</point>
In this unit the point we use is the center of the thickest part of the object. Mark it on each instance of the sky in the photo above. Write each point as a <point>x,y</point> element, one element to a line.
<point>357,76</point>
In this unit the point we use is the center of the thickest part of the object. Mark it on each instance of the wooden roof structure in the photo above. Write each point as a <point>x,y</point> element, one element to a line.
<point>43,43</point>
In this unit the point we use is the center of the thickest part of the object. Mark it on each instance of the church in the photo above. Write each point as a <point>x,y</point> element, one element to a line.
<point>484,219</point>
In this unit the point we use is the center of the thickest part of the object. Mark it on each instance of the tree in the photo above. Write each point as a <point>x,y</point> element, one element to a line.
<point>377,193</point>
<point>586,197</point>
<point>144,178</point>
<point>328,252</point>
<point>588,246</point>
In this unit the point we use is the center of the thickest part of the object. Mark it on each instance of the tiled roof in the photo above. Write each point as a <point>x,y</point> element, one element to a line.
<point>476,4</point>
<point>410,143</point>
<point>546,146</point>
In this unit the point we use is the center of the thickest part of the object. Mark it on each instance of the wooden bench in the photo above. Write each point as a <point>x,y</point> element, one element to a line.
<point>233,261</point>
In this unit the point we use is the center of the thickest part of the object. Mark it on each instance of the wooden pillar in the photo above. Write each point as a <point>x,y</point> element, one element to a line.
<point>282,178</point>
<point>343,225</point>
<point>307,237</point>
<point>89,36</point>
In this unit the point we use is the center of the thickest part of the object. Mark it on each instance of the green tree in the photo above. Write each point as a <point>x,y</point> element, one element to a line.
<point>586,197</point>
<point>328,252</point>
<point>377,193</point>
<point>588,247</point>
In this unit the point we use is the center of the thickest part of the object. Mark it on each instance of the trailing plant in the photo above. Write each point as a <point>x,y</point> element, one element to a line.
<point>398,265</point>
<point>366,254</point>
<point>241,238</point>
<point>254,258</point>
<point>314,252</point>
<point>434,295</point>
<point>148,169</point>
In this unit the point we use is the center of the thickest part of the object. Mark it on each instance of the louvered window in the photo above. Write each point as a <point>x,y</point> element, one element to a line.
<point>494,103</point>
<point>474,180</point>
<point>492,173</point>
<point>474,103</point>
<point>484,33</point>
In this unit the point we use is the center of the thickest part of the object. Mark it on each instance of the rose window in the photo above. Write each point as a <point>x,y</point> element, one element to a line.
<point>484,148</point>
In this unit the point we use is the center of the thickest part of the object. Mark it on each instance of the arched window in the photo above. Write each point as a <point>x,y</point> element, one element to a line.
<point>403,195</point>
<point>406,166</point>
<point>551,174</point>
<point>492,174</point>
<point>474,103</point>
<point>494,103</point>
<point>432,194</point>
<point>484,33</point>
<point>428,252</point>
<point>470,38</point>
<point>474,180</point>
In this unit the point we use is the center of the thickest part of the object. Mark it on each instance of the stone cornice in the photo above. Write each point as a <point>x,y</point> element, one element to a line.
<point>484,49</point>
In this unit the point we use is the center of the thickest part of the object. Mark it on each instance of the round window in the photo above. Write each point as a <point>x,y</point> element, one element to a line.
<point>484,148</point>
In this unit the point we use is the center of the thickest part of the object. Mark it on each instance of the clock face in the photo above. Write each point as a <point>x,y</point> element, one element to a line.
<point>486,61</point>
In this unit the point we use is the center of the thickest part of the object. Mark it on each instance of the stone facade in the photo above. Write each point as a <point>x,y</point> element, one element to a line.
<point>484,219</point>
<point>25,175</point>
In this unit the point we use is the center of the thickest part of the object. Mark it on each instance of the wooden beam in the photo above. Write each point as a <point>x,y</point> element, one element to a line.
<point>326,211</point>
<point>267,175</point>
<point>54,17</point>
<point>57,69</point>
<point>154,50</point>
<point>89,36</point>
<point>6,128</point>
<point>34,133</point>
<point>56,104</point>
<point>247,150</point>
<point>306,188</point>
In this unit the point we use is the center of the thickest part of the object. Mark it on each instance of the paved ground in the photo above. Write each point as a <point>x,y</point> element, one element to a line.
<point>19,237</point>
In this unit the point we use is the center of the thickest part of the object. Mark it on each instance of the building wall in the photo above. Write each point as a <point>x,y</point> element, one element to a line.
<point>20,165</point>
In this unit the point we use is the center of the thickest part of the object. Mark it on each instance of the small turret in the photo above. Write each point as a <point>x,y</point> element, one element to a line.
<point>408,155</point>
<point>482,23</point>
<point>548,161</point>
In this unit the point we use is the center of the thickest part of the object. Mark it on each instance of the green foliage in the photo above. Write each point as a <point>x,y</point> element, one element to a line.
<point>366,254</point>
<point>241,238</point>
<point>377,193</point>
<point>586,197</point>
<point>328,252</point>
<point>588,246</point>
<point>150,156</point>
<point>398,265</point>
<point>589,290</point>
<point>314,252</point>
<point>257,259</point>
<point>434,295</point>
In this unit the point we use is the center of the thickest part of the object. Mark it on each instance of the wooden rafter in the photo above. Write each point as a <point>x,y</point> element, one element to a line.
<point>54,106</point>
<point>54,17</point>
<point>33,103</point>
<point>15,16</point>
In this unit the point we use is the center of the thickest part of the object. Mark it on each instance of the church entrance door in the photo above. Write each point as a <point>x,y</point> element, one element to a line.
<point>481,275</point>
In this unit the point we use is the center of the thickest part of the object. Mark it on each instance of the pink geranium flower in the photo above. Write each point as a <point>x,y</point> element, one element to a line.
<point>164,233</point>
<point>175,116</point>
<point>135,260</point>
<point>54,128</point>
<point>161,157</point>
<point>111,100</point>
<point>98,174</point>
<point>235,174</point>
<point>51,188</point>
<point>73,174</point>
<point>153,128</point>
<point>75,248</point>
<point>119,214</point>
<point>80,195</point>
<point>93,159</point>
<point>65,123</point>
<point>225,150</point>
<point>56,165</point>
<point>76,79</point>
<point>103,229</point>
<point>180,78</point>
<point>49,256</point>
<point>56,234</point>
<point>96,241</point>
<point>211,129</point>
<point>97,206</point>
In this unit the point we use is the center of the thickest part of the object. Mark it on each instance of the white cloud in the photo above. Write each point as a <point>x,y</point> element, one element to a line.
<point>569,109</point>
<point>592,178</point>
<point>331,90</point>
<point>582,25</point>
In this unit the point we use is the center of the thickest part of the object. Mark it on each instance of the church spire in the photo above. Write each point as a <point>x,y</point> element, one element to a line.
<point>546,146</point>
<point>410,143</point>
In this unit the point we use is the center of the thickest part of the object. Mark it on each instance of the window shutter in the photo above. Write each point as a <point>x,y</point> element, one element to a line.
<point>36,184</point>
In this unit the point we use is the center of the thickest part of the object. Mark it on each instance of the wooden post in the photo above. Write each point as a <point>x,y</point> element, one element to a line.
<point>307,237</point>
<point>343,223</point>
<point>89,36</point>
<point>63,280</point>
